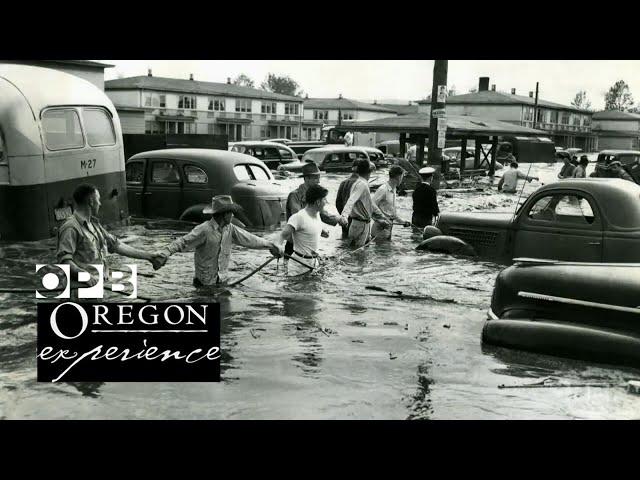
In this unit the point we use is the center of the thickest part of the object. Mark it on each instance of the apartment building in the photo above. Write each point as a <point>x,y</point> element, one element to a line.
<point>567,126</point>
<point>319,112</point>
<point>617,130</point>
<point>148,104</point>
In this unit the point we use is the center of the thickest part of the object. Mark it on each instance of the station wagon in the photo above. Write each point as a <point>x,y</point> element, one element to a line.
<point>271,153</point>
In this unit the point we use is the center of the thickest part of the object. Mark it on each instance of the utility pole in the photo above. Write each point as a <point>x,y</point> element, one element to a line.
<point>438,118</point>
<point>535,109</point>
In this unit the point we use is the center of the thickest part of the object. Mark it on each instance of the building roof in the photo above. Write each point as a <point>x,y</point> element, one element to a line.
<point>615,115</point>
<point>459,125</point>
<point>489,97</point>
<point>400,109</point>
<point>193,86</point>
<point>343,104</point>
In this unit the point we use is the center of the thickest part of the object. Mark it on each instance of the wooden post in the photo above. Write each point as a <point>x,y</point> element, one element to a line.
<point>476,160</point>
<point>440,70</point>
<point>403,144</point>
<point>463,156</point>
<point>420,151</point>
<point>494,150</point>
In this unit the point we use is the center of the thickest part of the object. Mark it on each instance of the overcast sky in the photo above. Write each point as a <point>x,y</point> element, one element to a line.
<point>405,80</point>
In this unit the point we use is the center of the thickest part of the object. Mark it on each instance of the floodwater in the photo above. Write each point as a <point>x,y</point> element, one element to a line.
<point>325,346</point>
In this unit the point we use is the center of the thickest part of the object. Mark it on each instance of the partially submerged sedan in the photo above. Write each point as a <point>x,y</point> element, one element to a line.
<point>588,311</point>
<point>583,220</point>
<point>336,158</point>
<point>179,183</point>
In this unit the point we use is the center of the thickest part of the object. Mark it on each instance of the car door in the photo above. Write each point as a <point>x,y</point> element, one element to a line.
<point>196,189</point>
<point>163,195</point>
<point>135,174</point>
<point>271,157</point>
<point>332,162</point>
<point>562,225</point>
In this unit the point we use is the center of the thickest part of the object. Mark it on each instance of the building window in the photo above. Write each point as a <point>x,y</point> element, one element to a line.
<point>565,118</point>
<point>321,114</point>
<point>292,109</point>
<point>163,101</point>
<point>587,121</point>
<point>243,105</point>
<point>147,99</point>
<point>554,116</point>
<point>348,116</point>
<point>268,107</point>
<point>264,133</point>
<point>216,104</point>
<point>154,100</point>
<point>187,102</point>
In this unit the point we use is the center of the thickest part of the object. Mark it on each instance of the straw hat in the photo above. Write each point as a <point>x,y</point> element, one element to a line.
<point>426,171</point>
<point>222,204</point>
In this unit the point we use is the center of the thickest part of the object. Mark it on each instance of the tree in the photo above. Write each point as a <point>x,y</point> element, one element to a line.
<point>618,97</point>
<point>243,81</point>
<point>580,101</point>
<point>284,85</point>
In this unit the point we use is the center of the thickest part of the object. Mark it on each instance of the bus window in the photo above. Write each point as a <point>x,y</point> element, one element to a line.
<point>62,129</point>
<point>98,127</point>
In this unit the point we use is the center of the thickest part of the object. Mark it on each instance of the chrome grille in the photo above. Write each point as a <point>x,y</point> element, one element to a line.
<point>475,237</point>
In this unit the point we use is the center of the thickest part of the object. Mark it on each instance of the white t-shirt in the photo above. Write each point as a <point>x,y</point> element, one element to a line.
<point>307,231</point>
<point>511,177</point>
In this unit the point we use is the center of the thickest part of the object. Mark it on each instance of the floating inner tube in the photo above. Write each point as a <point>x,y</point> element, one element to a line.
<point>564,340</point>
<point>447,244</point>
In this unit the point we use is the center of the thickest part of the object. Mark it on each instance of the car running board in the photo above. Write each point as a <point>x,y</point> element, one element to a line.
<point>545,261</point>
<point>583,303</point>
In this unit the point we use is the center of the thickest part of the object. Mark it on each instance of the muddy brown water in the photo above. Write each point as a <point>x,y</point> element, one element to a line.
<point>379,357</point>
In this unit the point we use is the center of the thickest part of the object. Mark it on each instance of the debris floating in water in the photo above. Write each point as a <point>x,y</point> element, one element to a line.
<point>392,356</point>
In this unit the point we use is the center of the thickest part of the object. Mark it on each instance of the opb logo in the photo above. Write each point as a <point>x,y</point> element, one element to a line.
<point>51,282</point>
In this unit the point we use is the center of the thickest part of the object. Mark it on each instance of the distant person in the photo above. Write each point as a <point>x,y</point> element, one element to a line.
<point>425,200</point>
<point>509,181</point>
<point>83,241</point>
<point>385,199</point>
<point>581,169</point>
<point>344,191</point>
<point>567,169</point>
<point>348,139</point>
<point>361,209</point>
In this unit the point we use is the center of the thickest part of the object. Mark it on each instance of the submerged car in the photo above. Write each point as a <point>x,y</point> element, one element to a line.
<point>271,153</point>
<point>179,183</point>
<point>629,159</point>
<point>335,158</point>
<point>583,220</point>
<point>588,311</point>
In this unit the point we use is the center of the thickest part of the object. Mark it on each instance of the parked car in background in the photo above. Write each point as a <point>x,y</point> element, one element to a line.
<point>272,154</point>
<point>390,148</point>
<point>336,158</point>
<point>284,141</point>
<point>630,160</point>
<point>582,220</point>
<point>376,156</point>
<point>179,183</point>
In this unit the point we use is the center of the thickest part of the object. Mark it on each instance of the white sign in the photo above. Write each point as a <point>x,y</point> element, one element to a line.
<point>438,113</point>
<point>442,94</point>
<point>442,124</point>
<point>441,138</point>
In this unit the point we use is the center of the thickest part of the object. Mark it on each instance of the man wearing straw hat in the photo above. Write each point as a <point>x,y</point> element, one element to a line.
<point>212,243</point>
<point>385,199</point>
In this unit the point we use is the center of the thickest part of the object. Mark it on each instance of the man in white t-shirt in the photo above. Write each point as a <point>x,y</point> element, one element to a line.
<point>304,229</point>
<point>509,181</point>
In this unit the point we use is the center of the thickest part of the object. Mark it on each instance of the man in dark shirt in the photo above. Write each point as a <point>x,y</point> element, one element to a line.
<point>344,190</point>
<point>425,201</point>
<point>567,169</point>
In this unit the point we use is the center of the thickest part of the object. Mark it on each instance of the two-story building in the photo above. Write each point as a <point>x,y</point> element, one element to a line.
<point>148,104</point>
<point>617,130</point>
<point>567,126</point>
<point>319,112</point>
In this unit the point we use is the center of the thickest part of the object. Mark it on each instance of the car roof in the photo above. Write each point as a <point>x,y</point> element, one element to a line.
<point>371,149</point>
<point>619,152</point>
<point>620,199</point>
<point>337,148</point>
<point>200,154</point>
<point>261,143</point>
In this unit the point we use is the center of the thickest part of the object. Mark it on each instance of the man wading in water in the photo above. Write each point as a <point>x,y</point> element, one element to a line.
<point>344,190</point>
<point>296,201</point>
<point>304,229</point>
<point>83,241</point>
<point>425,200</point>
<point>385,199</point>
<point>361,209</point>
<point>212,242</point>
